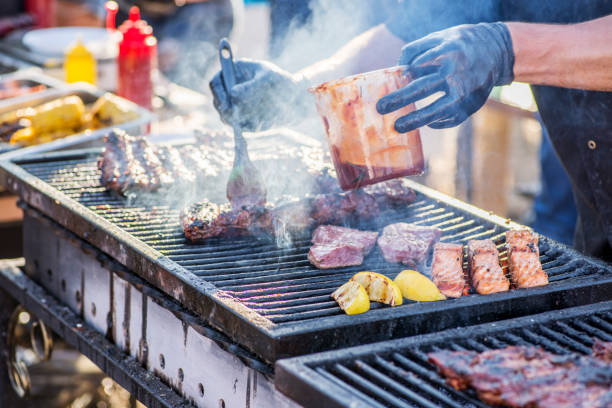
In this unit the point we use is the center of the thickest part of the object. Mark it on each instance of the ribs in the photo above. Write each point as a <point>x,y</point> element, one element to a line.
<point>131,163</point>
<point>407,243</point>
<point>447,269</point>
<point>521,376</point>
<point>336,247</point>
<point>524,259</point>
<point>484,269</point>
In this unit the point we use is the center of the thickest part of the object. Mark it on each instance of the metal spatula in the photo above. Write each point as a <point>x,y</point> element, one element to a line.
<point>245,185</point>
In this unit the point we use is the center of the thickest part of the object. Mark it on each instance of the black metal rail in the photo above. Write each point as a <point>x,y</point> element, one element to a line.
<point>271,299</point>
<point>396,373</point>
<point>127,371</point>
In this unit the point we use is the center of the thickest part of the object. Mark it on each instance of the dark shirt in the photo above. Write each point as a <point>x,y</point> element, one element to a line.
<point>579,122</point>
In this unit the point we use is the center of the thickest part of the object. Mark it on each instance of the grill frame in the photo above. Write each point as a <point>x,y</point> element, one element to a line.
<point>259,334</point>
<point>304,379</point>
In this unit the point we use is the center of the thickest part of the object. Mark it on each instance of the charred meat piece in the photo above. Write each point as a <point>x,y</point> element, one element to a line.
<point>447,269</point>
<point>391,194</point>
<point>524,259</point>
<point>528,377</point>
<point>336,247</point>
<point>206,220</point>
<point>454,365</point>
<point>353,206</point>
<point>603,350</point>
<point>407,243</point>
<point>485,272</point>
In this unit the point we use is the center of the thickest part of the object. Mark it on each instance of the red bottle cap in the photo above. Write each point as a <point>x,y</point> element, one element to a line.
<point>137,36</point>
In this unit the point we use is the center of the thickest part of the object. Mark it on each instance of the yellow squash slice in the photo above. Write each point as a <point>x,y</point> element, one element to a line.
<point>352,298</point>
<point>418,287</point>
<point>379,288</point>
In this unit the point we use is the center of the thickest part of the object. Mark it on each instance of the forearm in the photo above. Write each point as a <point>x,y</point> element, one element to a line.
<point>374,49</point>
<point>570,56</point>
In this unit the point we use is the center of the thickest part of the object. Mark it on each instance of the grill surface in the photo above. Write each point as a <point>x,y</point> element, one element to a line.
<point>396,373</point>
<point>271,299</point>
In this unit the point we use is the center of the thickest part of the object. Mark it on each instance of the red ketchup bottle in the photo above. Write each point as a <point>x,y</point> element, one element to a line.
<point>137,60</point>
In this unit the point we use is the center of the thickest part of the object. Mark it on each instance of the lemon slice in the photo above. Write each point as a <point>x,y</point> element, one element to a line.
<point>379,288</point>
<point>416,286</point>
<point>352,298</point>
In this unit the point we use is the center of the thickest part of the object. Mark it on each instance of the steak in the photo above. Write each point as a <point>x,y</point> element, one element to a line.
<point>524,259</point>
<point>521,376</point>
<point>484,269</point>
<point>336,247</point>
<point>204,220</point>
<point>447,269</point>
<point>407,243</point>
<point>392,193</point>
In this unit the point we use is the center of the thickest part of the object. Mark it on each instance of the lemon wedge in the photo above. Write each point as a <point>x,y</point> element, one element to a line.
<point>352,298</point>
<point>418,287</point>
<point>379,288</point>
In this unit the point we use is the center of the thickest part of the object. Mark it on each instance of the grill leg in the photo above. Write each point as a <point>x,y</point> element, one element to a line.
<point>8,398</point>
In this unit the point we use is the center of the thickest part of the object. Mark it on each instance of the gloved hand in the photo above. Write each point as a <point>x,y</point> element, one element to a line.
<point>465,62</point>
<point>264,95</point>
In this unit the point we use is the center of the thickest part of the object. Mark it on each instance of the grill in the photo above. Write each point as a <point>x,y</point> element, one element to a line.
<point>270,299</point>
<point>396,373</point>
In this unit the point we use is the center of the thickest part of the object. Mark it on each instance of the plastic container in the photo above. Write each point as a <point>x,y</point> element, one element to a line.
<point>80,64</point>
<point>364,145</point>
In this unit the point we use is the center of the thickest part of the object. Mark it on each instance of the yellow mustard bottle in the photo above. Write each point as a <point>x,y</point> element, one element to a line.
<point>80,64</point>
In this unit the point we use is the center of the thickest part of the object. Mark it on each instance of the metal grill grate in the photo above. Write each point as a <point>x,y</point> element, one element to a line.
<point>273,289</point>
<point>397,374</point>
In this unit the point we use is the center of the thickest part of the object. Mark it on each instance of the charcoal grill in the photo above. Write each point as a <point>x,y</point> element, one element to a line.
<point>270,299</point>
<point>396,373</point>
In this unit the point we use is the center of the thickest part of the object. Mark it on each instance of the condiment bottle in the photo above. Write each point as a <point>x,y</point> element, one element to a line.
<point>136,61</point>
<point>79,64</point>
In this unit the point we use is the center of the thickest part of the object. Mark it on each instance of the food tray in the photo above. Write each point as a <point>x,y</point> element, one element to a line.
<point>89,94</point>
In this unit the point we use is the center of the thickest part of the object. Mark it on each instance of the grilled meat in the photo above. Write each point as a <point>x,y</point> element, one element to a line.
<point>206,220</point>
<point>529,377</point>
<point>391,194</point>
<point>447,269</point>
<point>131,163</point>
<point>484,269</point>
<point>524,259</point>
<point>353,206</point>
<point>407,243</point>
<point>336,247</point>
<point>603,350</point>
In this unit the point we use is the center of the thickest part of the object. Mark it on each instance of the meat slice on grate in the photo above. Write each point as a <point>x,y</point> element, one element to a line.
<point>522,376</point>
<point>485,272</point>
<point>407,243</point>
<point>603,350</point>
<point>391,193</point>
<point>336,247</point>
<point>447,269</point>
<point>204,220</point>
<point>524,259</point>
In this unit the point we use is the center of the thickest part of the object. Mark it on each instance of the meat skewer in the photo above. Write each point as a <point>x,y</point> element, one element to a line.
<point>524,259</point>
<point>447,269</point>
<point>485,272</point>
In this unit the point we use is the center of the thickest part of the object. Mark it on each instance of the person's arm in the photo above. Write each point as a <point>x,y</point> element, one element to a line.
<point>374,49</point>
<point>570,56</point>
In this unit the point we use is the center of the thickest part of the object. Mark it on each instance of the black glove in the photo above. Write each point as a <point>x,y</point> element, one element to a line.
<point>264,95</point>
<point>465,62</point>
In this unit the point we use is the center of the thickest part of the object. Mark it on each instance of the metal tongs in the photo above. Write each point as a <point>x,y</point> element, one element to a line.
<point>245,186</point>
